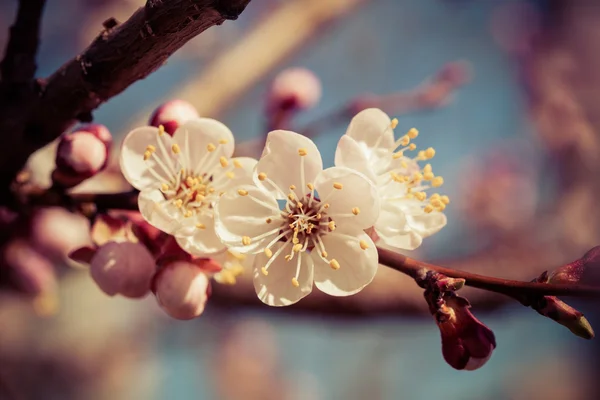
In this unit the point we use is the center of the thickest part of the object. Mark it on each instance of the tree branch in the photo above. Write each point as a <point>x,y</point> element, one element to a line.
<point>120,55</point>
<point>18,66</point>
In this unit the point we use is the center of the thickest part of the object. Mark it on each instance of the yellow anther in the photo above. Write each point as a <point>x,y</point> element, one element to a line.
<point>437,181</point>
<point>324,254</point>
<point>295,240</point>
<point>441,207</point>
<point>434,196</point>
<point>264,271</point>
<point>299,204</point>
<point>394,123</point>
<point>412,146</point>
<point>176,148</point>
<point>246,240</point>
<point>436,203</point>
<point>412,133</point>
<point>189,181</point>
<point>337,185</point>
<point>150,148</point>
<point>211,190</point>
<point>230,174</point>
<point>297,247</point>
<point>398,155</point>
<point>211,147</point>
<point>262,176</point>
<point>310,186</point>
<point>428,208</point>
<point>269,220</point>
<point>421,196</point>
<point>188,213</point>
<point>242,192</point>
<point>292,187</point>
<point>161,130</point>
<point>334,264</point>
<point>363,245</point>
<point>223,161</point>
<point>147,155</point>
<point>404,164</point>
<point>223,141</point>
<point>417,177</point>
<point>290,196</point>
<point>199,198</point>
<point>302,152</point>
<point>428,176</point>
<point>445,199</point>
<point>200,225</point>
<point>178,203</point>
<point>288,257</point>
<point>331,225</point>
<point>164,187</point>
<point>326,206</point>
<point>404,140</point>
<point>295,282</point>
<point>355,210</point>
<point>427,168</point>
<point>430,152</point>
<point>237,164</point>
<point>268,252</point>
<point>421,155</point>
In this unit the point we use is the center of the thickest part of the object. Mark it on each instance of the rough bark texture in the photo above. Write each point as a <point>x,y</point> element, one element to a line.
<point>38,113</point>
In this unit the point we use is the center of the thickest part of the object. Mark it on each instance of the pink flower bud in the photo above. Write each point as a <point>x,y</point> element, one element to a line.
<point>466,342</point>
<point>79,156</point>
<point>172,114</point>
<point>98,130</point>
<point>182,289</point>
<point>55,232</point>
<point>123,268</point>
<point>294,88</point>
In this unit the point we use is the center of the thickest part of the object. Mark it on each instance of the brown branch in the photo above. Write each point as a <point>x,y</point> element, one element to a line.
<point>120,56</point>
<point>18,66</point>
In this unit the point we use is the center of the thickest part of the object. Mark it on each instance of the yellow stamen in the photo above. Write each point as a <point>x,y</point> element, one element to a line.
<point>164,187</point>
<point>412,133</point>
<point>334,264</point>
<point>445,199</point>
<point>302,152</point>
<point>200,225</point>
<point>230,174</point>
<point>437,181</point>
<point>223,161</point>
<point>264,271</point>
<point>430,152</point>
<point>295,282</point>
<point>237,164</point>
<point>394,123</point>
<point>355,210</point>
<point>412,146</point>
<point>269,220</point>
<point>337,185</point>
<point>147,155</point>
<point>324,254</point>
<point>364,245</point>
<point>428,208</point>
<point>246,240</point>
<point>178,203</point>
<point>262,176</point>
<point>242,192</point>
<point>211,147</point>
<point>310,186</point>
<point>223,141</point>
<point>161,130</point>
<point>268,253</point>
<point>176,148</point>
<point>297,247</point>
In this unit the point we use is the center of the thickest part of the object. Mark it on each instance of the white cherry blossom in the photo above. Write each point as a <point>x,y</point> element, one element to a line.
<point>303,223</point>
<point>181,177</point>
<point>408,214</point>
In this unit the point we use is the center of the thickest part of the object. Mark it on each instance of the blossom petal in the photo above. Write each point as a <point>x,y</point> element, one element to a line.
<point>283,165</point>
<point>203,241</point>
<point>276,288</point>
<point>358,260</point>
<point>137,170</point>
<point>393,229</point>
<point>242,173</point>
<point>195,136</point>
<point>237,216</point>
<point>373,127</point>
<point>160,213</point>
<point>427,224</point>
<point>349,153</point>
<point>357,194</point>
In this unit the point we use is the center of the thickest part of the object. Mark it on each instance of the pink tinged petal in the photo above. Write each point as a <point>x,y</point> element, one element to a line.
<point>195,136</point>
<point>123,268</point>
<point>161,214</point>
<point>393,229</point>
<point>427,224</point>
<point>372,126</point>
<point>238,216</point>
<point>357,196</point>
<point>181,289</point>
<point>202,240</point>
<point>357,258</point>
<point>284,166</point>
<point>276,288</point>
<point>349,153</point>
<point>137,170</point>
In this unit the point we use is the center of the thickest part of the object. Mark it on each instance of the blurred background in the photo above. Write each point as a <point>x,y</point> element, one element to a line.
<point>506,91</point>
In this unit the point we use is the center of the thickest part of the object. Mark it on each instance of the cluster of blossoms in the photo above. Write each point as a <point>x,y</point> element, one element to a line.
<point>294,221</point>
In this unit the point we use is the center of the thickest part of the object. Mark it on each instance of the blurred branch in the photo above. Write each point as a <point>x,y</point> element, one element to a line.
<point>120,55</point>
<point>18,66</point>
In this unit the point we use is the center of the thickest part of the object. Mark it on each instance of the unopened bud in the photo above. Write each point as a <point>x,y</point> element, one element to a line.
<point>564,314</point>
<point>181,289</point>
<point>80,155</point>
<point>466,342</point>
<point>123,268</point>
<point>172,114</point>
<point>98,130</point>
<point>294,88</point>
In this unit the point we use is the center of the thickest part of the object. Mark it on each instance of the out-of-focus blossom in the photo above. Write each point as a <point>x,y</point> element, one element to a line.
<point>311,238</point>
<point>294,89</point>
<point>81,154</point>
<point>29,270</point>
<point>466,342</point>
<point>123,268</point>
<point>408,214</point>
<point>172,114</point>
<point>55,232</point>
<point>182,289</point>
<point>181,177</point>
<point>233,265</point>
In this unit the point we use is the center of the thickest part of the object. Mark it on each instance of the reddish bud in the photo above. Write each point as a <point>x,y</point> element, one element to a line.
<point>172,114</point>
<point>466,342</point>
<point>56,232</point>
<point>294,89</point>
<point>99,131</point>
<point>559,311</point>
<point>123,268</point>
<point>182,289</point>
<point>80,155</point>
